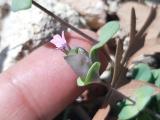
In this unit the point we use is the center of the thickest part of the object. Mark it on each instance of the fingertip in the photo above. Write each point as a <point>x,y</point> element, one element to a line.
<point>45,80</point>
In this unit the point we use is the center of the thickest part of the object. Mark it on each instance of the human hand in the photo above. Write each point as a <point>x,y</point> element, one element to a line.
<point>41,85</point>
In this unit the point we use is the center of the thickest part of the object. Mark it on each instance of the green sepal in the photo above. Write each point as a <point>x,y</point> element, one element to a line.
<point>77,50</point>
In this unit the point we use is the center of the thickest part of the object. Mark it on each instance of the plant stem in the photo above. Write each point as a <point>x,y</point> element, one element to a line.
<point>63,22</point>
<point>111,90</point>
<point>125,97</point>
<point>117,66</point>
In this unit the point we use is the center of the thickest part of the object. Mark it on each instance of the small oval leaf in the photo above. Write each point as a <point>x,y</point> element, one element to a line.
<point>142,72</point>
<point>21,5</point>
<point>156,73</point>
<point>142,96</point>
<point>92,74</point>
<point>105,34</point>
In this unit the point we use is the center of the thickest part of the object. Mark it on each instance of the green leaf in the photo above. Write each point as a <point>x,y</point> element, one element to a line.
<point>21,5</point>
<point>157,82</point>
<point>156,73</point>
<point>142,72</point>
<point>92,74</point>
<point>105,34</point>
<point>142,96</point>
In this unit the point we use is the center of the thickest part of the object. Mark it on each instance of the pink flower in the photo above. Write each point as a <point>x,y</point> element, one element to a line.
<point>58,41</point>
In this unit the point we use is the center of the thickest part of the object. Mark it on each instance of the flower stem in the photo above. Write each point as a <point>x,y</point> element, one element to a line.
<point>63,22</point>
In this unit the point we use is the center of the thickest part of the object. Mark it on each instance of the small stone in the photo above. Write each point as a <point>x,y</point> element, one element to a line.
<point>94,11</point>
<point>113,6</point>
<point>106,75</point>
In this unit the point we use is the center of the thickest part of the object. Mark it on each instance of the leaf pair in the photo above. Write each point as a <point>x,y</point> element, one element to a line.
<point>87,67</point>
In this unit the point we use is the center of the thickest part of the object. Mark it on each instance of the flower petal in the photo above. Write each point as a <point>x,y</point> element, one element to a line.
<point>59,41</point>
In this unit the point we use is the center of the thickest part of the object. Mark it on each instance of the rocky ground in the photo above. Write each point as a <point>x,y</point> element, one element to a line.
<point>23,31</point>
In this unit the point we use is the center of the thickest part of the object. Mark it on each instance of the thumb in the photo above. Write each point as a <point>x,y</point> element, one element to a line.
<point>41,85</point>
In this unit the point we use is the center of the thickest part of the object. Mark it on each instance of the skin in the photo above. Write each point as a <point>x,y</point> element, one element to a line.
<point>41,85</point>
